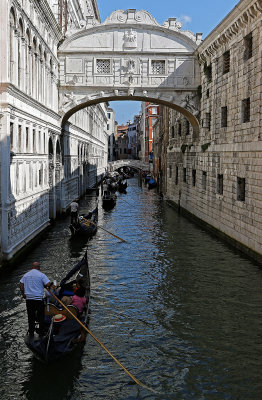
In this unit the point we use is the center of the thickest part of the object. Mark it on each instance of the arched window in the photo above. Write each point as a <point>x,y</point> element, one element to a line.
<point>27,62</point>
<point>20,53</point>
<point>58,152</point>
<point>12,44</point>
<point>34,68</point>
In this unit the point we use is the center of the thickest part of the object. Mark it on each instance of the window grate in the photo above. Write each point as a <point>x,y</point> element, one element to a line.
<point>248,46</point>
<point>220,184</point>
<point>246,110</point>
<point>103,66</point>
<point>223,117</point>
<point>226,62</point>
<point>241,188</point>
<point>158,67</point>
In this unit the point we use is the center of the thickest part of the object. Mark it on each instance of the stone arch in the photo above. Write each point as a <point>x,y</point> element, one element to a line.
<point>21,26</point>
<point>13,17</point>
<point>193,118</point>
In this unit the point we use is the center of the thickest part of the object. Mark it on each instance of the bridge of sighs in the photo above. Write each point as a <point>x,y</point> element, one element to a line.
<point>130,57</point>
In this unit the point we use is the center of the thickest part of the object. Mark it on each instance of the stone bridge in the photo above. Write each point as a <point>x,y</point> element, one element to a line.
<point>129,57</point>
<point>136,164</point>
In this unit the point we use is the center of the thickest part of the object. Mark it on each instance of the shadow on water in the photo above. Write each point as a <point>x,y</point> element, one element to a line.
<point>55,381</point>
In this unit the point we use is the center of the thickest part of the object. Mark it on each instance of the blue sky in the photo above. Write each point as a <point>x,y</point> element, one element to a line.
<point>197,16</point>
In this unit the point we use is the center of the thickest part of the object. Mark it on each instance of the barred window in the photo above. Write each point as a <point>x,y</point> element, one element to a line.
<point>246,110</point>
<point>226,62</point>
<point>187,127</point>
<point>204,180</point>
<point>184,175</point>
<point>248,46</point>
<point>241,189</point>
<point>193,177</point>
<point>206,121</point>
<point>220,184</point>
<point>223,117</point>
<point>103,66</point>
<point>158,67</point>
<point>11,135</point>
<point>179,129</point>
<point>176,180</point>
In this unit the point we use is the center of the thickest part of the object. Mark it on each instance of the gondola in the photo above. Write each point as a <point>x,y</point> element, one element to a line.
<point>86,226</point>
<point>152,183</point>
<point>109,200</point>
<point>63,332</point>
<point>122,185</point>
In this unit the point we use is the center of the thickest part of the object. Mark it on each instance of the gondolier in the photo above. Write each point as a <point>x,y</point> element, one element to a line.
<point>32,287</point>
<point>74,212</point>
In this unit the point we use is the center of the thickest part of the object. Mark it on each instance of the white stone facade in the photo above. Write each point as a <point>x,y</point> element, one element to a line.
<point>36,181</point>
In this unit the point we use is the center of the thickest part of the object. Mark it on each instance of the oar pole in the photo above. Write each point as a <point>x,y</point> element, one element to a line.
<point>138,382</point>
<point>122,240</point>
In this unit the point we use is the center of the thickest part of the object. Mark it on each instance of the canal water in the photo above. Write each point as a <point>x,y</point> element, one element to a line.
<point>176,306</point>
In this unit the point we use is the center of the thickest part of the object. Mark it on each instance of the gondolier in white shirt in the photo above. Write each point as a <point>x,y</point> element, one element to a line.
<point>32,286</point>
<point>74,212</point>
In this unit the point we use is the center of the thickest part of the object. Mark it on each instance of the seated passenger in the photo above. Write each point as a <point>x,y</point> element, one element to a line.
<point>49,298</point>
<point>79,299</point>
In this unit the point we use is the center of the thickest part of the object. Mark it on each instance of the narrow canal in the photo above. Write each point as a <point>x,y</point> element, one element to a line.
<point>180,310</point>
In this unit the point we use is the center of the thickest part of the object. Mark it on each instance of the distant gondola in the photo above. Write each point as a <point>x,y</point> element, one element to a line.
<point>122,185</point>
<point>87,224</point>
<point>63,332</point>
<point>152,183</point>
<point>109,200</point>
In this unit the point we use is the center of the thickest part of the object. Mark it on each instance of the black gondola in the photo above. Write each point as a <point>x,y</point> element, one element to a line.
<point>109,200</point>
<point>87,224</point>
<point>152,183</point>
<point>62,337</point>
<point>122,185</point>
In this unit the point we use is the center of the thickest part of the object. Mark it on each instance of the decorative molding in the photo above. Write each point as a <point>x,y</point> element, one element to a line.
<point>226,31</point>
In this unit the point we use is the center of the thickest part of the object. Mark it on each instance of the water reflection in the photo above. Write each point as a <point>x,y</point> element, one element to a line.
<point>177,307</point>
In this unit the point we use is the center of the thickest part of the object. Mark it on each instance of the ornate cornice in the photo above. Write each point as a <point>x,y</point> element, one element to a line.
<point>18,94</point>
<point>237,20</point>
<point>132,18</point>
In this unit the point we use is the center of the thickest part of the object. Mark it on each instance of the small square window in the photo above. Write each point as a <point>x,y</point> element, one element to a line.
<point>223,117</point>
<point>220,184</point>
<point>226,62</point>
<point>246,110</point>
<point>158,67</point>
<point>103,66</point>
<point>241,183</point>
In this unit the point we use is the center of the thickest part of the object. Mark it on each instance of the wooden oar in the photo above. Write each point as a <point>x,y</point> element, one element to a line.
<point>122,240</point>
<point>101,344</point>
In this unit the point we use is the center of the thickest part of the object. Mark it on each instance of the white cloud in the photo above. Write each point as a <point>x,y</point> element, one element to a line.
<point>185,19</point>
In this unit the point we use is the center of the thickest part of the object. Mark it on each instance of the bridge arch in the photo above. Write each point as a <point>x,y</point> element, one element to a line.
<point>130,57</point>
